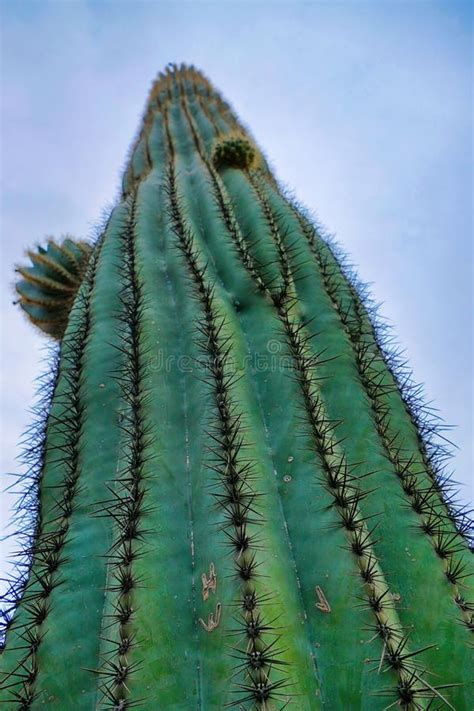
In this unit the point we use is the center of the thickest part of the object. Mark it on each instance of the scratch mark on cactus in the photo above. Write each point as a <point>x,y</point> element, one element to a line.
<point>213,620</point>
<point>209,584</point>
<point>323,604</point>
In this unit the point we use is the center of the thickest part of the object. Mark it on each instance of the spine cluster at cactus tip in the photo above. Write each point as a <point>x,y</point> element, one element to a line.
<point>234,496</point>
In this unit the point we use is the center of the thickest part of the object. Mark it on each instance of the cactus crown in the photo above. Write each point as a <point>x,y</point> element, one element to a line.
<point>49,285</point>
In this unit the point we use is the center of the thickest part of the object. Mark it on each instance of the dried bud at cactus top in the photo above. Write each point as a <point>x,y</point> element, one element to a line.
<point>48,287</point>
<point>234,152</point>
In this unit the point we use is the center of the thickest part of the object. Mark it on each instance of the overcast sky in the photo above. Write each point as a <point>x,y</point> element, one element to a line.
<point>364,109</point>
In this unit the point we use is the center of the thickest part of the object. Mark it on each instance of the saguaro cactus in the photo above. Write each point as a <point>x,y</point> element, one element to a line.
<point>240,502</point>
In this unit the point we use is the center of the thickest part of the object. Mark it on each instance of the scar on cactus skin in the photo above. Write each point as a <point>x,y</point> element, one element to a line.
<point>234,151</point>
<point>209,584</point>
<point>322,603</point>
<point>49,286</point>
<point>213,619</point>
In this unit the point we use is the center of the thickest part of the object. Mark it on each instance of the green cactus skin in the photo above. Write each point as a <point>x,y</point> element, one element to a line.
<point>48,288</point>
<point>239,502</point>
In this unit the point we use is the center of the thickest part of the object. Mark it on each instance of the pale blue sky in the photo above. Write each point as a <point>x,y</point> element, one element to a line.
<point>364,109</point>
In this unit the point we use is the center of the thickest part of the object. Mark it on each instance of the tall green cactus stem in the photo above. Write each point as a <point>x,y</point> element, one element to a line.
<point>241,502</point>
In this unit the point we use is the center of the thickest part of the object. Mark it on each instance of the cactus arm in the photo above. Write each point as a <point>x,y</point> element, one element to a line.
<point>48,288</point>
<point>42,279</point>
<point>70,253</point>
<point>53,268</point>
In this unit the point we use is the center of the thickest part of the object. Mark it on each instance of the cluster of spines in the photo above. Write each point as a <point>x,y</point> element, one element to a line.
<point>127,505</point>
<point>233,491</point>
<point>424,500</point>
<point>47,544</point>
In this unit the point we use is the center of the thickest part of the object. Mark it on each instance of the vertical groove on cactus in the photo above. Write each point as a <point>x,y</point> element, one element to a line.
<point>240,503</point>
<point>191,211</point>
